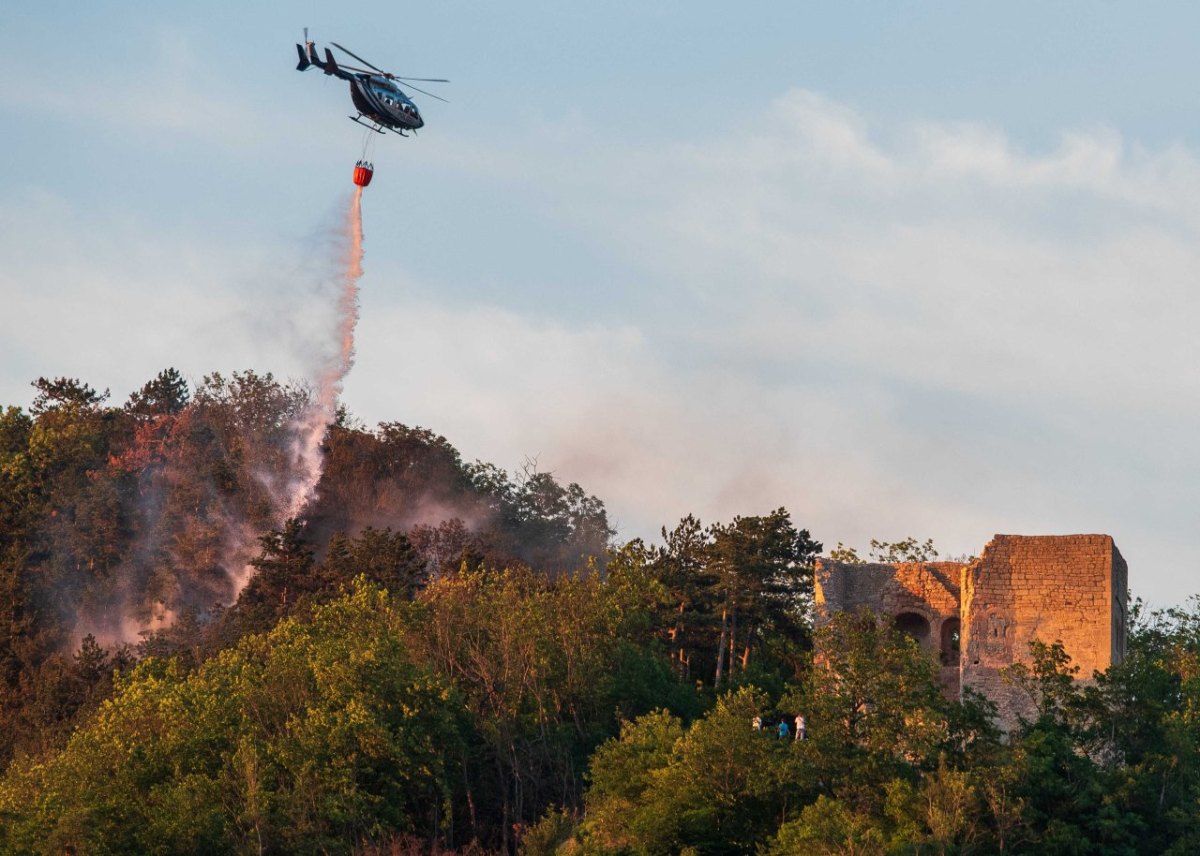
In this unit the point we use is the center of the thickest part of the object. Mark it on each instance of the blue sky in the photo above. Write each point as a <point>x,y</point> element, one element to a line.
<point>905,268</point>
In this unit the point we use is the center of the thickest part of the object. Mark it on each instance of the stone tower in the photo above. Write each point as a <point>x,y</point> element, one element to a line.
<point>980,617</point>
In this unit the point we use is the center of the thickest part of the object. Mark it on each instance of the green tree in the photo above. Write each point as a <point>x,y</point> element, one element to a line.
<point>622,814</point>
<point>64,393</point>
<point>714,787</point>
<point>682,563</point>
<point>736,590</point>
<point>874,706</point>
<point>382,556</point>
<point>907,550</point>
<point>546,667</point>
<point>763,571</point>
<point>284,570</point>
<point>167,394</point>
<point>847,555</point>
<point>306,740</point>
<point>828,827</point>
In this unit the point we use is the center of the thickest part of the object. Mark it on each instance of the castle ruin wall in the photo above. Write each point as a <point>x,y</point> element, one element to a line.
<point>980,617</point>
<point>1068,588</point>
<point>922,596</point>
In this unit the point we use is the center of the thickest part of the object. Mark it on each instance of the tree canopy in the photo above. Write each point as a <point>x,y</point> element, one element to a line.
<point>440,657</point>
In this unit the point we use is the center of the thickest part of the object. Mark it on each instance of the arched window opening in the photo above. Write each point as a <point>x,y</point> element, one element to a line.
<point>915,626</point>
<point>951,632</point>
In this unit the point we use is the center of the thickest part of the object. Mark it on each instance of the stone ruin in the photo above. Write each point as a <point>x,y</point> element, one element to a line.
<point>980,617</point>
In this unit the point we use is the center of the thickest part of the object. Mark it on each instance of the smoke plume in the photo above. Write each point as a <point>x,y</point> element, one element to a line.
<point>212,475</point>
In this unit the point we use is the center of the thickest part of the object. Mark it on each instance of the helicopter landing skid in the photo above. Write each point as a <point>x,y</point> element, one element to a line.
<point>364,124</point>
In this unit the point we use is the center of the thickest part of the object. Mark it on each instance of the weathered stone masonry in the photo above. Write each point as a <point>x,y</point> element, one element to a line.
<point>980,617</point>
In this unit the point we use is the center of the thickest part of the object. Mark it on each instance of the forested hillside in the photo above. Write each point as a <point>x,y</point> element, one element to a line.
<point>441,657</point>
<point>136,525</point>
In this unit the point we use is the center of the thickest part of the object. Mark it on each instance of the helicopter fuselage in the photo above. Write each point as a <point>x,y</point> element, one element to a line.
<point>384,103</point>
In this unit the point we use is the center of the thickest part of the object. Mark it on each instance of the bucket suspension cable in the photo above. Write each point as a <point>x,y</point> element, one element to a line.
<point>368,145</point>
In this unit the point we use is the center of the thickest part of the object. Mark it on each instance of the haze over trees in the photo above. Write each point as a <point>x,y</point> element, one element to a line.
<point>443,657</point>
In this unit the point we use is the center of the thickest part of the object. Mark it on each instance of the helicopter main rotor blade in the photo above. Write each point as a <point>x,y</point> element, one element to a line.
<point>420,79</point>
<point>430,94</point>
<point>357,57</point>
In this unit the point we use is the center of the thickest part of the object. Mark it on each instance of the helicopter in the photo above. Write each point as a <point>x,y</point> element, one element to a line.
<point>374,92</point>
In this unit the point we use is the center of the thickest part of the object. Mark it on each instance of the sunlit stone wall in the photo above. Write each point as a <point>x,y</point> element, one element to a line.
<point>979,618</point>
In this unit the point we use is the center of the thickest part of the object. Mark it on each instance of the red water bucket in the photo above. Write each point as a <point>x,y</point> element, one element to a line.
<point>362,173</point>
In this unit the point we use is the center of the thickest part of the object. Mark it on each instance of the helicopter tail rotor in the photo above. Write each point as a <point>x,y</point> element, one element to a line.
<point>308,53</point>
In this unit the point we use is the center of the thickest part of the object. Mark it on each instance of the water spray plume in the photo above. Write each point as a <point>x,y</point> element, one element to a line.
<point>319,415</point>
<point>306,460</point>
<point>282,470</point>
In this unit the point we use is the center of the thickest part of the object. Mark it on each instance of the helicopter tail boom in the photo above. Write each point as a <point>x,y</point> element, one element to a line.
<point>309,58</point>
